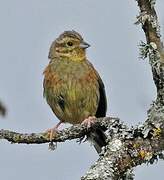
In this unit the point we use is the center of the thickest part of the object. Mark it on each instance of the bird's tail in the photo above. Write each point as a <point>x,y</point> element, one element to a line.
<point>98,138</point>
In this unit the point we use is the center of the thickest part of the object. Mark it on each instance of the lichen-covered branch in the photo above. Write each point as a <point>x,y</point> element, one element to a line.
<point>128,148</point>
<point>74,132</point>
<point>150,25</point>
<point>148,19</point>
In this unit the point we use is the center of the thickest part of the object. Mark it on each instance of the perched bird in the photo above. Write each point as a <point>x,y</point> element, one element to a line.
<point>72,87</point>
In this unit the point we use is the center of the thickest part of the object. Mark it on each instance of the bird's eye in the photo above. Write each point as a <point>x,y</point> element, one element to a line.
<point>69,43</point>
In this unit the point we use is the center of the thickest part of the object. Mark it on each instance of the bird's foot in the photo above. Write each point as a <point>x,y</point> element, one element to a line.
<point>89,121</point>
<point>53,131</point>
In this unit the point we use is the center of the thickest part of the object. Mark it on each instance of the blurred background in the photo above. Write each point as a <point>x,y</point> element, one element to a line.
<point>27,29</point>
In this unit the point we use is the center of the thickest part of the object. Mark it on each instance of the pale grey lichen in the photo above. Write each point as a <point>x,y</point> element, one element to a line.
<point>154,57</point>
<point>156,110</point>
<point>115,145</point>
<point>101,170</point>
<point>129,175</point>
<point>144,16</point>
<point>146,131</point>
<point>151,51</point>
<point>152,3</point>
<point>143,50</point>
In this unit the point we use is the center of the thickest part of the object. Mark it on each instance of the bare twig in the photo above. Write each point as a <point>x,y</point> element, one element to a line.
<point>2,109</point>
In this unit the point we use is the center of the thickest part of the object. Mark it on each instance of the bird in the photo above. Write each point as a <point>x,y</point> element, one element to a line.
<point>73,88</point>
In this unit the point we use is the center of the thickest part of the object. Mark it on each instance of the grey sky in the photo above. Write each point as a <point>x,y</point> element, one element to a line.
<point>27,29</point>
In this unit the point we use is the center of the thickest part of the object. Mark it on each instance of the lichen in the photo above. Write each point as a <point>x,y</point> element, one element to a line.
<point>151,51</point>
<point>152,19</point>
<point>144,50</point>
<point>152,3</point>
<point>115,145</point>
<point>157,132</point>
<point>145,155</point>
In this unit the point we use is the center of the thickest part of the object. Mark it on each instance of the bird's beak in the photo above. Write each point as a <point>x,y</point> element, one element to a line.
<point>84,45</point>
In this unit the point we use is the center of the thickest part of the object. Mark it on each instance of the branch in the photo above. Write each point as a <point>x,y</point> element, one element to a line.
<point>154,48</point>
<point>129,148</point>
<point>74,132</point>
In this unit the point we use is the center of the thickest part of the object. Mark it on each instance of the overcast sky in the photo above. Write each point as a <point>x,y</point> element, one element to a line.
<point>27,29</point>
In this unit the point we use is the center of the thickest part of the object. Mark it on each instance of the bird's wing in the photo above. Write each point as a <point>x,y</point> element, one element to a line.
<point>102,104</point>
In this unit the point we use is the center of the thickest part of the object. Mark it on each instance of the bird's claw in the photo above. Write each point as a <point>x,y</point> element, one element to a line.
<point>89,121</point>
<point>52,132</point>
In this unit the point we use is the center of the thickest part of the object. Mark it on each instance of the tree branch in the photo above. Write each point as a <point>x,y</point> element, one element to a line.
<point>129,148</point>
<point>74,132</point>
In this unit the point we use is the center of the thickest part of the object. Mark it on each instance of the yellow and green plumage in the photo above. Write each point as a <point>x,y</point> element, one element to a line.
<point>72,87</point>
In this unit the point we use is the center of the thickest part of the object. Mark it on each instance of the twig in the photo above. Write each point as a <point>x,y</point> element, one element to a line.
<point>2,109</point>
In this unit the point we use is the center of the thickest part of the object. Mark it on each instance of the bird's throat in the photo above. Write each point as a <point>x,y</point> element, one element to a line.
<point>76,56</point>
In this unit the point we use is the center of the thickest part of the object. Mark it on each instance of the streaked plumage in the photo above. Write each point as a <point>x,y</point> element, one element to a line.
<point>72,87</point>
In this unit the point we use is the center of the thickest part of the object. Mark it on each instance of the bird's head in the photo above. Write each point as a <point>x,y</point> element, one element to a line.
<point>69,45</point>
